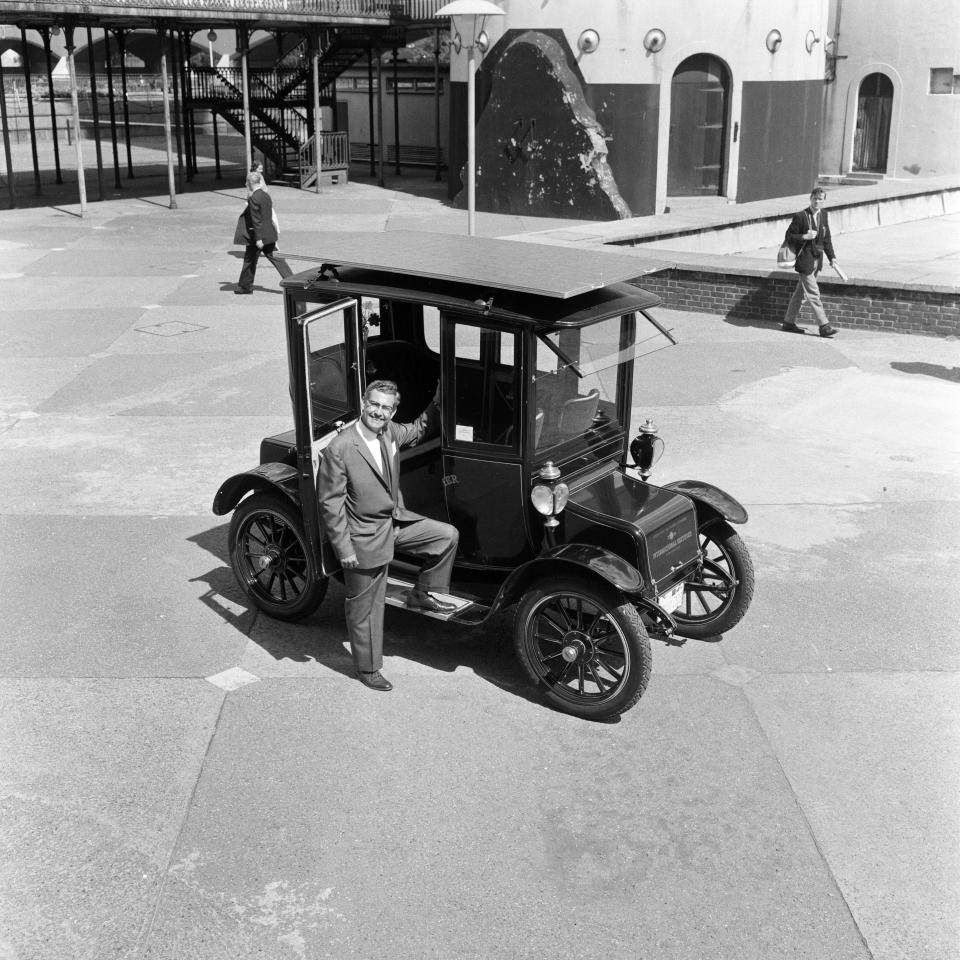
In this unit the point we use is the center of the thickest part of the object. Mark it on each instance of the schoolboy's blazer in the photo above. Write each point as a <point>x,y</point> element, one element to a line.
<point>810,252</point>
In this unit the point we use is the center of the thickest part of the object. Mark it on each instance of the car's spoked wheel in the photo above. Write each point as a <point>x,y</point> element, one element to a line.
<point>589,653</point>
<point>717,599</point>
<point>270,558</point>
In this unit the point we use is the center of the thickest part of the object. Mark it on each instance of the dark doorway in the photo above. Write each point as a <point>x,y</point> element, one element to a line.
<point>698,121</point>
<point>872,139</point>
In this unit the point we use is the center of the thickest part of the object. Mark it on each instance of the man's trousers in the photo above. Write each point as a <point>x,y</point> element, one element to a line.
<point>807,287</point>
<point>367,589</point>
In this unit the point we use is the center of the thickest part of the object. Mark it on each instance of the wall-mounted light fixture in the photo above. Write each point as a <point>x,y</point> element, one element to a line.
<point>588,41</point>
<point>773,41</point>
<point>810,41</point>
<point>654,40</point>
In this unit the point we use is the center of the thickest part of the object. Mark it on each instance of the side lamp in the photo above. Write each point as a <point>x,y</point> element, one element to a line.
<point>647,448</point>
<point>588,41</point>
<point>654,40</point>
<point>550,497</point>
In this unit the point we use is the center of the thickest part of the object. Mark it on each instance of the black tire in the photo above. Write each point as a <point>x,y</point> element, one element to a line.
<point>717,601</point>
<point>271,560</point>
<point>588,651</point>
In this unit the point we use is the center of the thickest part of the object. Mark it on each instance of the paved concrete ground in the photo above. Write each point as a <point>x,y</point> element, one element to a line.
<point>183,778</point>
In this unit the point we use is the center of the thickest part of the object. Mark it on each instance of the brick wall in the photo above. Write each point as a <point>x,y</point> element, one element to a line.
<point>764,298</point>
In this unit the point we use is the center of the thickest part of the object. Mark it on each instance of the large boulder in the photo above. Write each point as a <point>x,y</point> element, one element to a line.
<point>540,150</point>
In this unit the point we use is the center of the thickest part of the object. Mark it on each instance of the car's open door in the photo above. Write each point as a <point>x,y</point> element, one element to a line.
<point>326,388</point>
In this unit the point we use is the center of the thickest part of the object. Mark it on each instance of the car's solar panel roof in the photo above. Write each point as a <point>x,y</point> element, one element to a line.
<point>539,269</point>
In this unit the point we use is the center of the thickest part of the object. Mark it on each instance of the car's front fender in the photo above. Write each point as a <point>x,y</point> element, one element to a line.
<point>711,501</point>
<point>267,477</point>
<point>578,559</point>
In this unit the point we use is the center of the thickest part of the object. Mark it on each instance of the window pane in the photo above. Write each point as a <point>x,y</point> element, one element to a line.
<point>484,407</point>
<point>575,382</point>
<point>431,328</point>
<point>326,370</point>
<point>941,80</point>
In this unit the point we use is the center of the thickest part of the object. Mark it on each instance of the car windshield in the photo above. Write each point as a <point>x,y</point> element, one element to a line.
<point>577,374</point>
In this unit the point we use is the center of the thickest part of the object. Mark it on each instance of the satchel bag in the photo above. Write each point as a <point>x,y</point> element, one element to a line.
<point>241,234</point>
<point>786,255</point>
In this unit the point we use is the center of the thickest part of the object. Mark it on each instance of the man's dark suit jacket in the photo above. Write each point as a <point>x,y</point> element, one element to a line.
<point>357,506</point>
<point>256,222</point>
<point>810,256</point>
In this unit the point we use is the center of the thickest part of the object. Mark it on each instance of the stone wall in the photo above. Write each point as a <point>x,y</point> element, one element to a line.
<point>764,299</point>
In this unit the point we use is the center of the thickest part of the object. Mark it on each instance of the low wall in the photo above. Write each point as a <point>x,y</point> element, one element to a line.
<point>764,299</point>
<point>740,233</point>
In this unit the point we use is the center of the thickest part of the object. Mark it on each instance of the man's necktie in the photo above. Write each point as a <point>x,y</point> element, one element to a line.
<point>385,457</point>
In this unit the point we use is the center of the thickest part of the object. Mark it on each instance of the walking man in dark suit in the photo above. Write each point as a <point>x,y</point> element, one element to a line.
<point>257,230</point>
<point>364,516</point>
<point>809,233</point>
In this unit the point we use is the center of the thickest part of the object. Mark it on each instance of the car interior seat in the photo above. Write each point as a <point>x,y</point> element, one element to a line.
<point>577,414</point>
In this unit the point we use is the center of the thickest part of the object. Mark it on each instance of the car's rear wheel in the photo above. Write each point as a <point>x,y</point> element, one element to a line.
<point>270,558</point>
<point>716,601</point>
<point>588,651</point>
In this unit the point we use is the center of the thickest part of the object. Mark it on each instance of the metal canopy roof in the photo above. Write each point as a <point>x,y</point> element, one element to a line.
<point>533,268</point>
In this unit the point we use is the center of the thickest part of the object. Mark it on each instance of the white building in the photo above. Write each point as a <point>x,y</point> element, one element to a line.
<point>893,108</point>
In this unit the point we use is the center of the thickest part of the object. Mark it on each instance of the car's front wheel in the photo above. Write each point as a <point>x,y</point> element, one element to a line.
<point>271,560</point>
<point>717,599</point>
<point>588,651</point>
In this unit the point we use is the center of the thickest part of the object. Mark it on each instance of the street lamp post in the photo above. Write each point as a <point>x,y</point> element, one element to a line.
<point>466,27</point>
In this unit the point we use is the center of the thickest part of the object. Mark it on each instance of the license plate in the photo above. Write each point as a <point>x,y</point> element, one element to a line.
<point>672,598</point>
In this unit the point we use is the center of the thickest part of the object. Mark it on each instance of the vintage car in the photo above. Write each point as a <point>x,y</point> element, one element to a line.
<point>534,349</point>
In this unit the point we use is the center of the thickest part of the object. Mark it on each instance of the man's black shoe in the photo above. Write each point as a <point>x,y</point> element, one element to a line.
<point>375,680</point>
<point>827,331</point>
<point>241,290</point>
<point>791,328</point>
<point>424,601</point>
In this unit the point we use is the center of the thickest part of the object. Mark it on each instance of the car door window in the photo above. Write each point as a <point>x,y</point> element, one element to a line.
<point>484,401</point>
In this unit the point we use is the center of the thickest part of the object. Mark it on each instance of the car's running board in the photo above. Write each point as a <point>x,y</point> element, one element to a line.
<point>466,611</point>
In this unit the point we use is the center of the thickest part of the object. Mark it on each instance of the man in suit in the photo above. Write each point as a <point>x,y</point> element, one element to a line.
<point>809,233</point>
<point>363,513</point>
<point>257,230</point>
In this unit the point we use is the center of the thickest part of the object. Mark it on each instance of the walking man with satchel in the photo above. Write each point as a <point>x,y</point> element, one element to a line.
<point>258,230</point>
<point>809,235</point>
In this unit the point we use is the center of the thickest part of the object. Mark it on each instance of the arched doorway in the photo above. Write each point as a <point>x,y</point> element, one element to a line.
<point>872,138</point>
<point>699,95</point>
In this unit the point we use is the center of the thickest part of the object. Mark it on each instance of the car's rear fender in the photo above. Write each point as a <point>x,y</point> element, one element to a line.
<point>266,478</point>
<point>593,563</point>
<point>712,503</point>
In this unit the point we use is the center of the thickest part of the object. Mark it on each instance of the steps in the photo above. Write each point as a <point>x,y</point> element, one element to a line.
<point>468,612</point>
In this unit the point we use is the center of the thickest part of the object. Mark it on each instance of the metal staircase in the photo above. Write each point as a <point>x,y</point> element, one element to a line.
<point>281,96</point>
